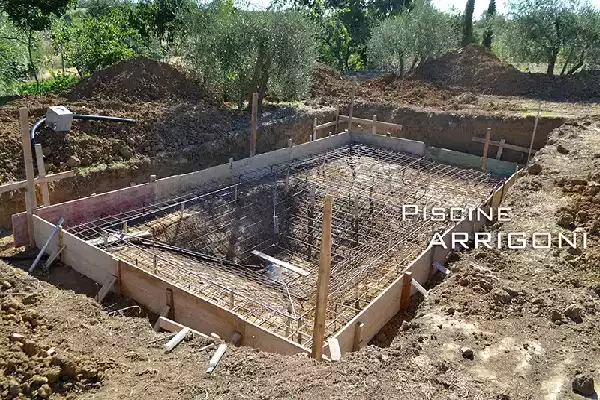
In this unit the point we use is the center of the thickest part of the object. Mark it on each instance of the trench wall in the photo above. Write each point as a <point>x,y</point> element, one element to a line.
<point>455,131</point>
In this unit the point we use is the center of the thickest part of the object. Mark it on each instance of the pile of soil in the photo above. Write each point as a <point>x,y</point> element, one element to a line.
<point>475,68</point>
<point>138,79</point>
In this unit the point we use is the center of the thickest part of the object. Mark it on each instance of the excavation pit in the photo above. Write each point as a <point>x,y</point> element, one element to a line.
<point>201,234</point>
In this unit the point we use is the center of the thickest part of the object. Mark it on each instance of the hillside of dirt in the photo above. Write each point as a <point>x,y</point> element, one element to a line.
<point>506,324</point>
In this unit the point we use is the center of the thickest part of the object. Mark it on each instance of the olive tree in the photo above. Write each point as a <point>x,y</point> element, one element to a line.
<point>552,31</point>
<point>241,52</point>
<point>412,37</point>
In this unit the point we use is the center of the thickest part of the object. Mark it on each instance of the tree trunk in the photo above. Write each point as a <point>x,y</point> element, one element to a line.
<point>567,61</point>
<point>551,63</point>
<point>32,68</point>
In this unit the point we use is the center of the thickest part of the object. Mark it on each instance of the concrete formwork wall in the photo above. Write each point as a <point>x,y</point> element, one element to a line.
<point>455,131</point>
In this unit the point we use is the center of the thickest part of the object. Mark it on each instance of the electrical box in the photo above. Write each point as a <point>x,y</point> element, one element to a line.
<point>59,118</point>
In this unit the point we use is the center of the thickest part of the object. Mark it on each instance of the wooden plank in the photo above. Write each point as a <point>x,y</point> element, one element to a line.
<point>254,123</point>
<point>164,313</point>
<point>314,129</point>
<point>172,326</point>
<point>500,148</point>
<point>8,187</point>
<point>282,264</point>
<point>368,122</point>
<point>214,361</point>
<point>107,287</point>
<point>420,288</point>
<point>335,353</point>
<point>175,340</point>
<point>350,113</point>
<point>506,145</point>
<point>30,200</point>
<point>39,155</point>
<point>326,125</point>
<point>53,256</point>
<point>486,146</point>
<point>533,134</point>
<point>323,281</point>
<point>43,249</point>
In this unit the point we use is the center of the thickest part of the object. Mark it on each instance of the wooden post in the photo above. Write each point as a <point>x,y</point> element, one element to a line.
<point>374,126</point>
<point>254,123</point>
<point>30,201</point>
<point>337,119</point>
<point>323,282</point>
<point>170,303</point>
<point>486,145</point>
<point>406,288</point>
<point>537,117</point>
<point>350,113</point>
<point>152,178</point>
<point>39,156</point>
<point>314,130</point>
<point>358,328</point>
<point>500,148</point>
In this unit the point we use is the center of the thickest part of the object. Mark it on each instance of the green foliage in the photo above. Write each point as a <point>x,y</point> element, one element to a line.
<point>241,52</point>
<point>489,18</point>
<point>59,81</point>
<point>467,37</point>
<point>13,62</point>
<point>552,31</point>
<point>90,44</point>
<point>412,37</point>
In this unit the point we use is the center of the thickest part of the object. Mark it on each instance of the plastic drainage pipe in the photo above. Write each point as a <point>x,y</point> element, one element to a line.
<point>36,126</point>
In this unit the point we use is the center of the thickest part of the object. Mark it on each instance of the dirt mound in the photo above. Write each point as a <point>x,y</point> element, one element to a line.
<point>474,67</point>
<point>138,79</point>
<point>328,82</point>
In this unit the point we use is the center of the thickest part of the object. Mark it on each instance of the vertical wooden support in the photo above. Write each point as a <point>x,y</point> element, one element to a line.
<point>314,130</point>
<point>337,119</point>
<point>486,145</point>
<point>374,126</point>
<point>288,323</point>
<point>500,148</point>
<point>254,124</point>
<point>39,156</point>
<point>125,228</point>
<point>537,117</point>
<point>152,178</point>
<point>30,201</point>
<point>406,288</point>
<point>350,113</point>
<point>323,282</point>
<point>155,264</point>
<point>358,329</point>
<point>170,303</point>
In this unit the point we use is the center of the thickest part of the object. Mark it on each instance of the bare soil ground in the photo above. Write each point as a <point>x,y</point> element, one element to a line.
<point>529,316</point>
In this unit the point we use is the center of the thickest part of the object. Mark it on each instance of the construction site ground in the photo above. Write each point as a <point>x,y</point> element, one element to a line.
<point>506,324</point>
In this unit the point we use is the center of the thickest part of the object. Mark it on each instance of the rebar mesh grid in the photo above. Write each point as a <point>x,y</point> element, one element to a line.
<point>203,242</point>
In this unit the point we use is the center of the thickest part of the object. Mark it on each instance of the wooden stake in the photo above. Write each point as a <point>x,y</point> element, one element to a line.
<point>170,302</point>
<point>43,250</point>
<point>178,338</point>
<point>486,145</point>
<point>374,126</point>
<point>358,329</point>
<point>323,281</point>
<point>152,178</point>
<point>337,119</point>
<point>30,201</point>
<point>537,117</point>
<point>107,287</point>
<point>334,349</point>
<point>214,361</point>
<point>39,156</point>
<point>350,113</point>
<point>314,130</point>
<point>406,288</point>
<point>254,123</point>
<point>155,264</point>
<point>164,313</point>
<point>500,148</point>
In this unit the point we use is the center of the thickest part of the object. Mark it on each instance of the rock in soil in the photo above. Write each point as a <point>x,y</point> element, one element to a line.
<point>575,312</point>
<point>534,169</point>
<point>583,384</point>
<point>467,353</point>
